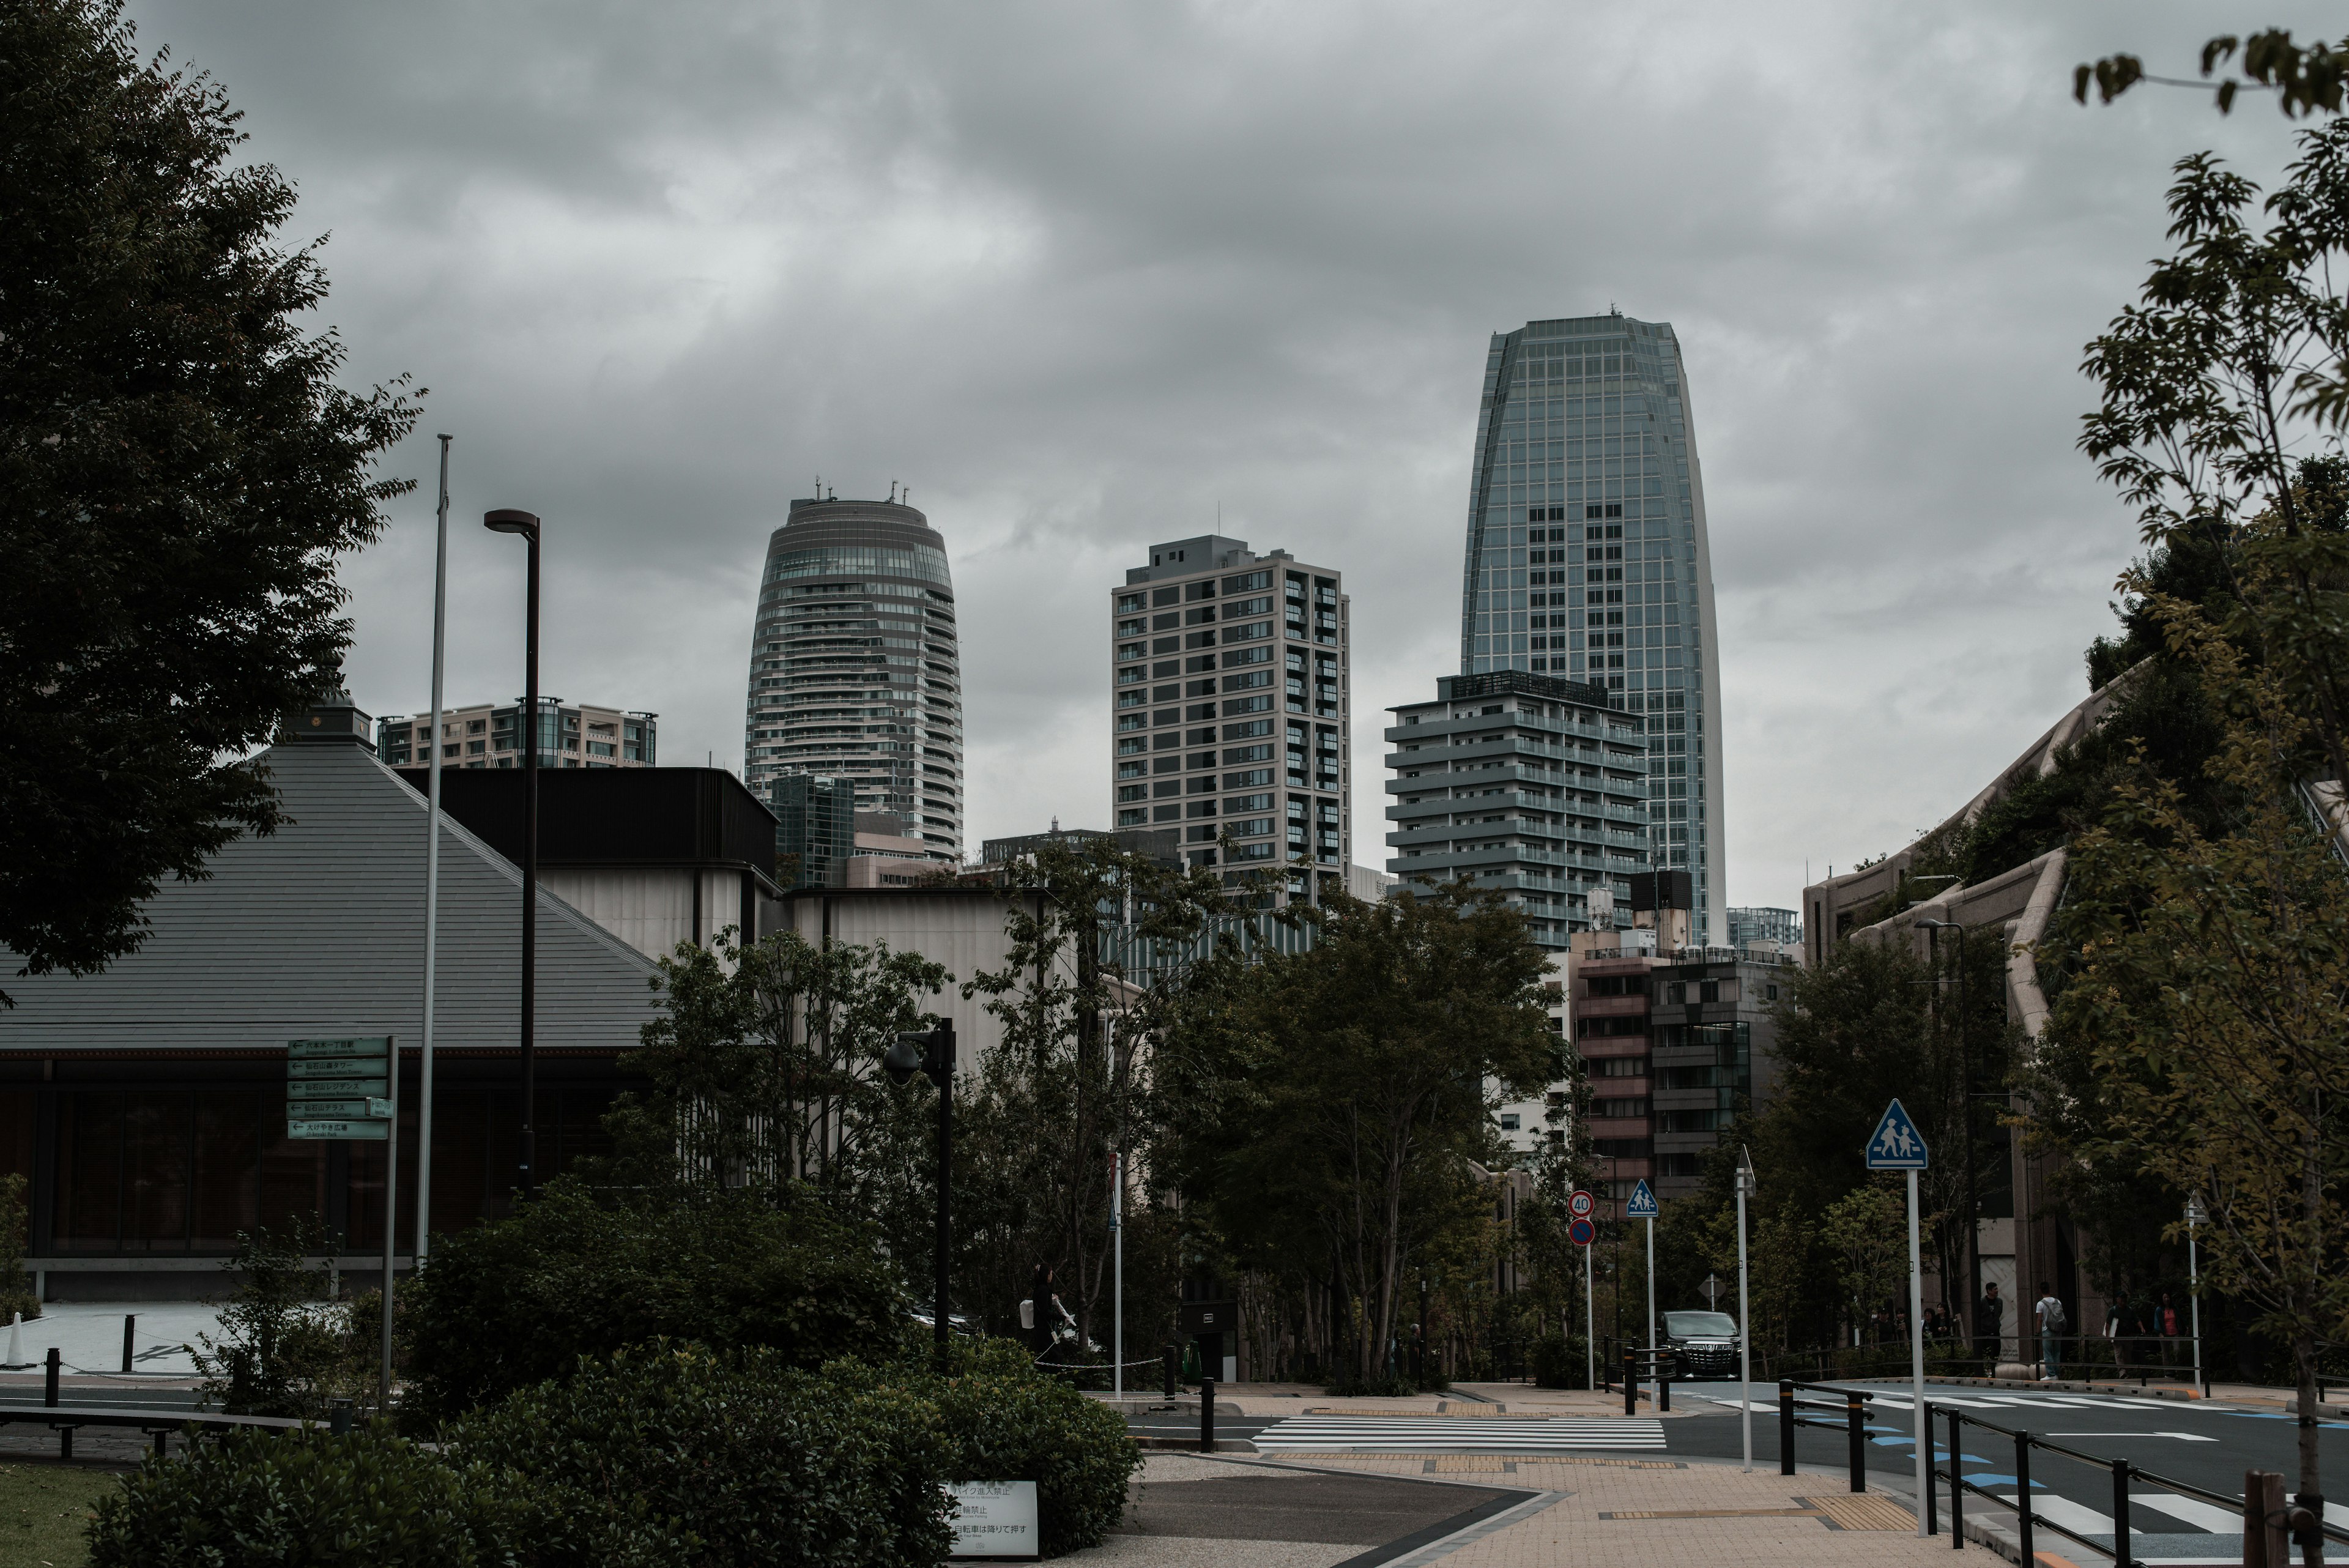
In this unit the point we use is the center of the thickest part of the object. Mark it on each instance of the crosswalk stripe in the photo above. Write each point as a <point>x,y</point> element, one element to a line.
<point>2210,1516</point>
<point>2072,1515</point>
<point>1427,1434</point>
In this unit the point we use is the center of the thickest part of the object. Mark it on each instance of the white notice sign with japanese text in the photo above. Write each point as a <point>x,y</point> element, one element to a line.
<point>996,1518</point>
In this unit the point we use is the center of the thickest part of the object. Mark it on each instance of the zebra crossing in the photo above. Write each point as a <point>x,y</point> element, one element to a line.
<point>1340,1433</point>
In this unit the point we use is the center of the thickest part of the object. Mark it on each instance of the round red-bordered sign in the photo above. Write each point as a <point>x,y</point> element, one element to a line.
<point>1581,1233</point>
<point>1580,1204</point>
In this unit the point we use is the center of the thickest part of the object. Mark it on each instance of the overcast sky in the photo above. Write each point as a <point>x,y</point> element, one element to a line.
<point>1078,274</point>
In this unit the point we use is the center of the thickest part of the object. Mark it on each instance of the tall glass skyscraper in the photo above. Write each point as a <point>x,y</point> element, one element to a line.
<point>855,672</point>
<point>1588,558</point>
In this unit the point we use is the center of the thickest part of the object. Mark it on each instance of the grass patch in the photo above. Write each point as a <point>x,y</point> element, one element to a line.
<point>43,1509</point>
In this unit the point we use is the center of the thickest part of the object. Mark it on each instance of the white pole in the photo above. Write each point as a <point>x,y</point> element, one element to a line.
<point>1589,1327</point>
<point>1917,1359</point>
<point>432,875</point>
<point>2194,1294</point>
<point>1652,1284</point>
<point>1744,1332</point>
<point>1117,1281</point>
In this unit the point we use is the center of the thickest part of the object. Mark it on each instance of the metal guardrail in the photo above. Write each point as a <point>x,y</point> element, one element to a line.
<point>2299,1520</point>
<point>1852,1402</point>
<point>1655,1366</point>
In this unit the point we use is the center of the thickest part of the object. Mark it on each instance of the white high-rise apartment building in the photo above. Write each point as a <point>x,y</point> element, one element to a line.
<point>1231,707</point>
<point>855,670</point>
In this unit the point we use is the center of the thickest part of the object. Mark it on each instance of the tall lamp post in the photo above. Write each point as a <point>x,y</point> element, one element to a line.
<point>508,521</point>
<point>2195,1215</point>
<point>931,1053</point>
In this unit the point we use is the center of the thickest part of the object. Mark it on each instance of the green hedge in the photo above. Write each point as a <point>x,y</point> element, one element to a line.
<point>1005,1422</point>
<point>662,1454</point>
<point>1560,1362</point>
<point>370,1500</point>
<point>510,1305</point>
<point>673,1455</point>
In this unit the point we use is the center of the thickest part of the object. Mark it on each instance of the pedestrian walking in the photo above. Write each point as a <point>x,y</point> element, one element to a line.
<point>2052,1324</point>
<point>1989,1323</point>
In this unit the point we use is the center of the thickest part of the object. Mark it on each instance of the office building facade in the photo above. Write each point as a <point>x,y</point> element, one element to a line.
<point>855,667</point>
<point>570,735</point>
<point>1535,785</point>
<point>1780,930</point>
<point>1587,557</point>
<point>1231,707</point>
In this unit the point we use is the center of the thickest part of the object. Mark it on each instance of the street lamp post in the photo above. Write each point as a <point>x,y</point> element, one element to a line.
<point>2195,1215</point>
<point>931,1053</point>
<point>508,521</point>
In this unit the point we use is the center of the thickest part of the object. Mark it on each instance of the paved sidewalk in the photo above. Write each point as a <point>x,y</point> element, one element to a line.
<point>1480,1511</point>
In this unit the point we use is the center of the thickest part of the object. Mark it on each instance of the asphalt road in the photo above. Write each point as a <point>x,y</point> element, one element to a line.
<point>2208,1444</point>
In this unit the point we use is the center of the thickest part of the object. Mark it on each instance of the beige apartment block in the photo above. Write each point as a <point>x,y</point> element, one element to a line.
<point>486,735</point>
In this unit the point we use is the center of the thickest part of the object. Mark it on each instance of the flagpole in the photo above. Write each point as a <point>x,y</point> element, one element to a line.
<point>431,873</point>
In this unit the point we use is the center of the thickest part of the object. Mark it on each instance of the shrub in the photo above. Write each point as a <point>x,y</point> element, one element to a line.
<point>369,1500</point>
<point>670,1455</point>
<point>16,1293</point>
<point>282,1351</point>
<point>1004,1421</point>
<point>1559,1362</point>
<point>505,1306</point>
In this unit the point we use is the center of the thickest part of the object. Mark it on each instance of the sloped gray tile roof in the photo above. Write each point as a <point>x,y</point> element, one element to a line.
<point>318,930</point>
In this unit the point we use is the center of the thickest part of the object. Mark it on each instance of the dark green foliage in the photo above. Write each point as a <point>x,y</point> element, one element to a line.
<point>1560,1361</point>
<point>1322,1109</point>
<point>1002,1421</point>
<point>179,477</point>
<point>501,1307</point>
<point>677,1456</point>
<point>16,1293</point>
<point>370,1500</point>
<point>284,1349</point>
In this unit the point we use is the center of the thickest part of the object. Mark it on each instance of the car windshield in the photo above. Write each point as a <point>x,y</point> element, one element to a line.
<point>1699,1326</point>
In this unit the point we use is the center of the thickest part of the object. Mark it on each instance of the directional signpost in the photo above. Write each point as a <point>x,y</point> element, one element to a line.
<point>347,1088</point>
<point>1896,1145</point>
<point>1643,1207</point>
<point>1580,1204</point>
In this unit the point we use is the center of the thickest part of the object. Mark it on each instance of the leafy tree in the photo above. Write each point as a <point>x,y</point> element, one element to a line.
<point>284,1349</point>
<point>1096,937</point>
<point>1332,1100</point>
<point>1867,1232</point>
<point>761,1065</point>
<point>2209,1002</point>
<point>179,474</point>
<point>2307,79</point>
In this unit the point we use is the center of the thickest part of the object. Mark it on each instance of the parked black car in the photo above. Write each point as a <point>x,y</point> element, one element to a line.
<point>1704,1344</point>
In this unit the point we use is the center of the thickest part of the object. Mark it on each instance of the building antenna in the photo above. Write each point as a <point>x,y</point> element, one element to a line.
<point>819,487</point>
<point>893,492</point>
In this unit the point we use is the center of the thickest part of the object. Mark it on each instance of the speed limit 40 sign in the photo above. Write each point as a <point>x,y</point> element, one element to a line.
<point>1580,1204</point>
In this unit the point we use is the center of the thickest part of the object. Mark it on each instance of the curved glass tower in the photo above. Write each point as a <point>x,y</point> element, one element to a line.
<point>855,673</point>
<point>1588,558</point>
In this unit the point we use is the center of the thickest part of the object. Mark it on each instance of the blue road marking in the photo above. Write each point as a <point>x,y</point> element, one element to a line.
<point>2001,1480</point>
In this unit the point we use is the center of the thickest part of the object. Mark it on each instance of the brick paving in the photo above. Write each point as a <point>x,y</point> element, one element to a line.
<point>1627,1511</point>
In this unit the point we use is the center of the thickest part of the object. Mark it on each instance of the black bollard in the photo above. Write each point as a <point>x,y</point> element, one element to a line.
<point>1630,1383</point>
<point>1173,1355</point>
<point>130,1323</point>
<point>49,1395</point>
<point>1206,1415</point>
<point>1855,1417</point>
<point>1785,1427</point>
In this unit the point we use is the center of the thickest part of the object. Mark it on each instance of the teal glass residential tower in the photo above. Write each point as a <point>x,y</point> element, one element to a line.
<point>1588,558</point>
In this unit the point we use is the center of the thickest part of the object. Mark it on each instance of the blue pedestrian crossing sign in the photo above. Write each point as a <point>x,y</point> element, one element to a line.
<point>1896,1145</point>
<point>1642,1205</point>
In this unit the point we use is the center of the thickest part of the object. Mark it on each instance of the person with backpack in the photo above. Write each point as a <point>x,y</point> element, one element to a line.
<point>2052,1327</point>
